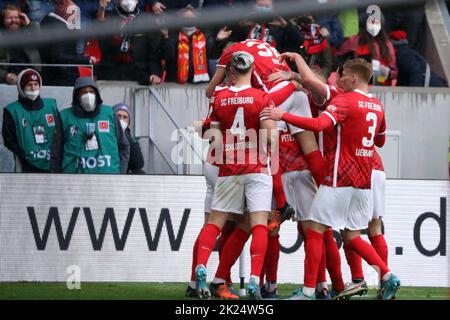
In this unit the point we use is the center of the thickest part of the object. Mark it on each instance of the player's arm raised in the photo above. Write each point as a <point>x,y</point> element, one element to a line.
<point>307,76</point>
<point>312,124</point>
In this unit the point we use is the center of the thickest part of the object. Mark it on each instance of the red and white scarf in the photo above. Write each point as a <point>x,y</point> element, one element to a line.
<point>199,57</point>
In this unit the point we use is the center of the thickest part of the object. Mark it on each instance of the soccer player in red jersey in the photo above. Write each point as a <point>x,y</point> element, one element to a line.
<point>354,122</point>
<point>282,93</point>
<point>211,171</point>
<point>324,92</point>
<point>243,175</point>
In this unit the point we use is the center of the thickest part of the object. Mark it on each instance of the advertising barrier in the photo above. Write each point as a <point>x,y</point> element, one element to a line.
<point>142,228</point>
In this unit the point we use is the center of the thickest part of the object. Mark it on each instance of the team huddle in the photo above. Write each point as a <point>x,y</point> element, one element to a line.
<point>287,145</point>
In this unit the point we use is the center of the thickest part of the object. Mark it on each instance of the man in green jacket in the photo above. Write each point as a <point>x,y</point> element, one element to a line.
<point>29,123</point>
<point>88,137</point>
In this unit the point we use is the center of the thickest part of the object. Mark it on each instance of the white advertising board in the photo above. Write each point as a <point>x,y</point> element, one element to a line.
<point>142,228</point>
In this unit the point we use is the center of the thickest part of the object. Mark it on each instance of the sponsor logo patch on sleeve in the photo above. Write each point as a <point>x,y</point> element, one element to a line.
<point>103,126</point>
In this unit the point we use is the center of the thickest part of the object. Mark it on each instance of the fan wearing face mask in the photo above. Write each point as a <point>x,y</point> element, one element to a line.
<point>129,56</point>
<point>88,137</point>
<point>373,44</point>
<point>28,124</point>
<point>136,163</point>
<point>188,50</point>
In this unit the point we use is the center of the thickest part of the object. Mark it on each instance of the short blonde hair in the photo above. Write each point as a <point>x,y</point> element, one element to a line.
<point>360,67</point>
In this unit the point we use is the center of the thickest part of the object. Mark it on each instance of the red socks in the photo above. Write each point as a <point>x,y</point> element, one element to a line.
<point>368,253</point>
<point>317,166</point>
<point>313,250</point>
<point>258,248</point>
<point>278,190</point>
<point>231,252</point>
<point>379,243</point>
<point>333,261</point>
<point>272,257</point>
<point>225,233</point>
<point>322,271</point>
<point>194,257</point>
<point>207,240</point>
<point>354,261</point>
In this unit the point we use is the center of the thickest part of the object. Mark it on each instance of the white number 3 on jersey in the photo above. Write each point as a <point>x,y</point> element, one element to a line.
<point>370,117</point>
<point>238,126</point>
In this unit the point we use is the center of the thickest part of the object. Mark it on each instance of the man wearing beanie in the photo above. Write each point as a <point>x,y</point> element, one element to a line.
<point>88,137</point>
<point>28,124</point>
<point>136,162</point>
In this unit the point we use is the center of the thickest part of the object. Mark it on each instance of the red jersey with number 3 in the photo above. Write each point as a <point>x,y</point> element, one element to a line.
<point>349,145</point>
<point>237,111</point>
<point>266,61</point>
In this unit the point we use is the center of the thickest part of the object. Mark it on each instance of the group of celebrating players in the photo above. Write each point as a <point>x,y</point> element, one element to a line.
<point>291,142</point>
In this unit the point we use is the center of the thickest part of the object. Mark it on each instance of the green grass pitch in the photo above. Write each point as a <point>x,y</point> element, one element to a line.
<point>162,291</point>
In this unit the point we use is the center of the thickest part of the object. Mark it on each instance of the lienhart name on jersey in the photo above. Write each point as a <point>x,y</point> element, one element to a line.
<point>364,153</point>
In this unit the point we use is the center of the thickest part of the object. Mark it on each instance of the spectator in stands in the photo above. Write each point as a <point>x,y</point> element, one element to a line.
<point>127,56</point>
<point>280,33</point>
<point>315,49</point>
<point>160,6</point>
<point>373,44</point>
<point>65,17</point>
<point>14,20</point>
<point>29,123</point>
<point>413,70</point>
<point>411,19</point>
<point>38,9</point>
<point>331,28</point>
<point>187,52</point>
<point>136,162</point>
<point>88,136</point>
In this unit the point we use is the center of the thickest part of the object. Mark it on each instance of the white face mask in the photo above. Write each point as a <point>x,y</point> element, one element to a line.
<point>373,29</point>
<point>128,5</point>
<point>189,30</point>
<point>87,102</point>
<point>123,124</point>
<point>31,94</point>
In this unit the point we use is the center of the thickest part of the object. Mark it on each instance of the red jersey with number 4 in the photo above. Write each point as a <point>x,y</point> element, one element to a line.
<point>237,111</point>
<point>266,61</point>
<point>349,145</point>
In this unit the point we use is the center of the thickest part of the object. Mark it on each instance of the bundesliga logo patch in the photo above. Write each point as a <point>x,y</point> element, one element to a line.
<point>103,126</point>
<point>50,120</point>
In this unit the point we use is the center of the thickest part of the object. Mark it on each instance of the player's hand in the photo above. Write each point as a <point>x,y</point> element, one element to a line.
<point>289,56</point>
<point>223,34</point>
<point>92,60</point>
<point>280,75</point>
<point>158,8</point>
<point>298,86</point>
<point>271,113</point>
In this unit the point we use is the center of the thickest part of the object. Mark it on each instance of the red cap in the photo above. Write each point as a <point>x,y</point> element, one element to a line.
<point>398,35</point>
<point>29,75</point>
